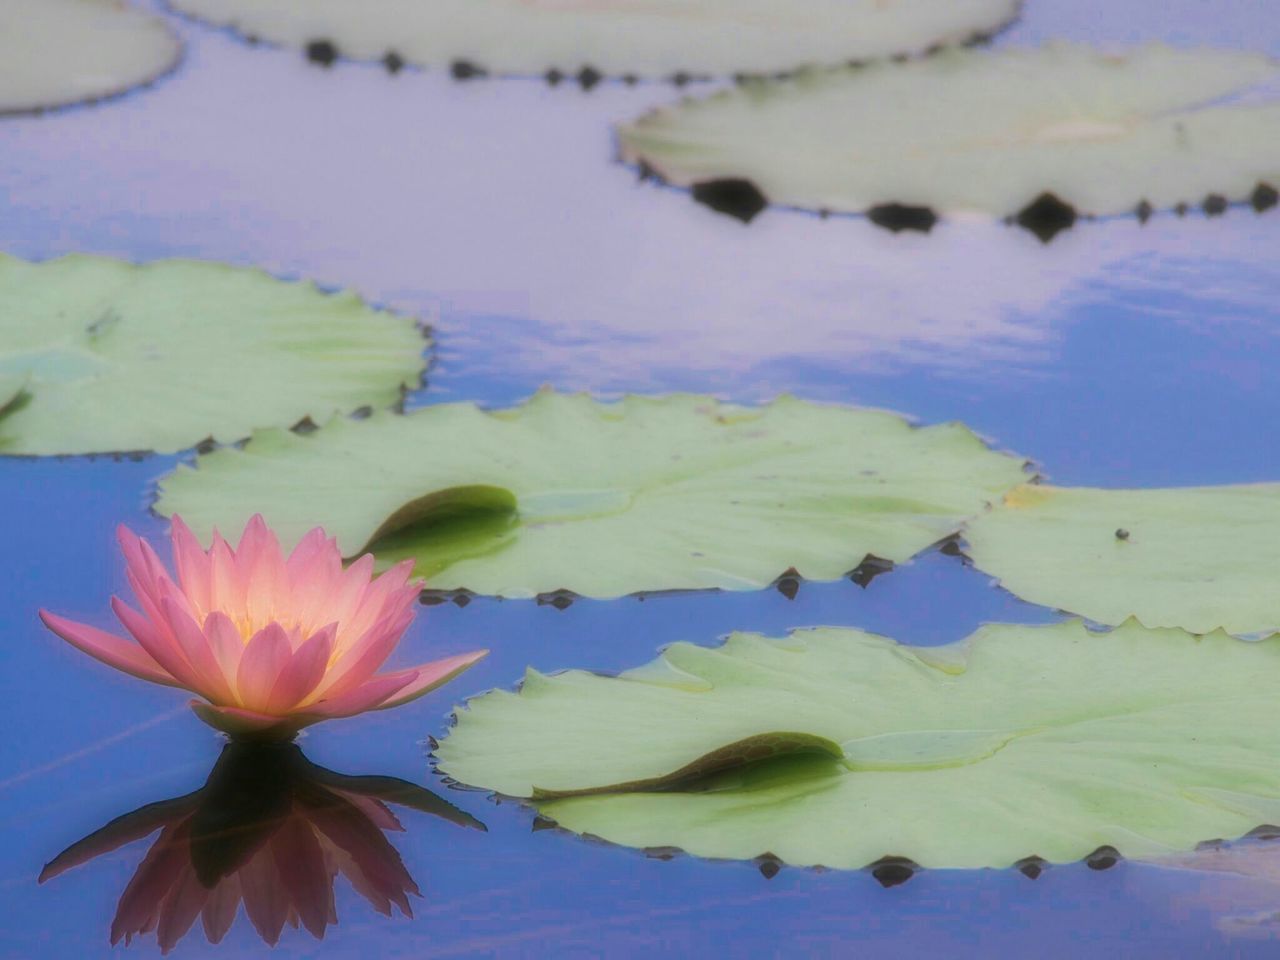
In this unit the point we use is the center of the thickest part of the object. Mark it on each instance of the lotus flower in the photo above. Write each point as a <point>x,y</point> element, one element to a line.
<point>269,829</point>
<point>272,644</point>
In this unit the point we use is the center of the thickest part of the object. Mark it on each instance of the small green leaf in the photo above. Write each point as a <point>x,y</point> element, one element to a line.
<point>117,357</point>
<point>1048,741</point>
<point>1199,558</point>
<point>679,492</point>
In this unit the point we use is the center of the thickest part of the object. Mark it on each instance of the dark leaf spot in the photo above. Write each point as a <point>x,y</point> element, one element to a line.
<point>393,62</point>
<point>1144,210</point>
<point>1122,534</point>
<point>322,52</point>
<point>1264,197</point>
<point>465,70</point>
<point>735,197</point>
<point>589,77</point>
<point>553,77</point>
<point>897,217</point>
<point>1031,867</point>
<point>1104,858</point>
<point>893,871</point>
<point>1215,205</point>
<point>1046,216</point>
<point>870,568</point>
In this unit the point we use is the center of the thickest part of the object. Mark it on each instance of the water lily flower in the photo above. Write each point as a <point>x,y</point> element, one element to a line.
<point>269,830</point>
<point>271,644</point>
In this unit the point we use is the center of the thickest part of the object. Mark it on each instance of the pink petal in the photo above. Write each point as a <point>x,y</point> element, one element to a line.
<point>225,641</point>
<point>239,722</point>
<point>261,566</point>
<point>362,698</point>
<point>137,562</point>
<point>192,564</point>
<point>226,592</point>
<point>265,656</point>
<point>112,650</point>
<point>155,637</point>
<point>363,658</point>
<point>304,671</point>
<point>432,675</point>
<point>211,681</point>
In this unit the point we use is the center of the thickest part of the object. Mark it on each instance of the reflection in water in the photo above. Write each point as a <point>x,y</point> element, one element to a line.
<point>270,829</point>
<point>1240,882</point>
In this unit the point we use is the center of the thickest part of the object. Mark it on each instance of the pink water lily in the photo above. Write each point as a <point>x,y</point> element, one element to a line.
<point>271,644</point>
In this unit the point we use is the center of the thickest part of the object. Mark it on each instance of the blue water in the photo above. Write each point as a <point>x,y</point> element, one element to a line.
<point>1118,355</point>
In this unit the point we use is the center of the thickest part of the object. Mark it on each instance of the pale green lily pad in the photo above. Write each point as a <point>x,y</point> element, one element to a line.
<point>58,52</point>
<point>117,357</point>
<point>615,37</point>
<point>1025,741</point>
<point>1199,558</point>
<point>678,492</point>
<point>979,131</point>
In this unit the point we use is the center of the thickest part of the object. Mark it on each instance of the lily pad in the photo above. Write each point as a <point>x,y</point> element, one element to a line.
<point>605,499</point>
<point>58,52</point>
<point>117,357</point>
<point>616,37</point>
<point>1023,741</point>
<point>1041,135</point>
<point>1199,558</point>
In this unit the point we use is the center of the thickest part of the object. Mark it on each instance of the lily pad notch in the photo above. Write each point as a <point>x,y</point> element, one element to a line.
<point>1064,133</point>
<point>567,496</point>
<point>111,357</point>
<point>625,40</point>
<point>1121,749</point>
<point>62,53</point>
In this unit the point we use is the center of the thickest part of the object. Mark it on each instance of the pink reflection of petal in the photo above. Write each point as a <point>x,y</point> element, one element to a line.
<point>139,906</point>
<point>303,873</point>
<point>264,896</point>
<point>220,909</point>
<point>184,902</point>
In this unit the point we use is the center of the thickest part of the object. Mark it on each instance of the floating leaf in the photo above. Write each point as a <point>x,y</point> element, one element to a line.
<point>647,494</point>
<point>117,357</point>
<point>58,52</point>
<point>1041,135</point>
<point>1199,558</point>
<point>1047,741</point>
<point>675,38</point>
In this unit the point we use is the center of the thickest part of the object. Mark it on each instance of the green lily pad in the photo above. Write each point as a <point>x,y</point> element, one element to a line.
<point>117,357</point>
<point>58,52</point>
<point>615,37</point>
<point>1023,741</point>
<point>1042,135</point>
<point>678,492</point>
<point>1199,558</point>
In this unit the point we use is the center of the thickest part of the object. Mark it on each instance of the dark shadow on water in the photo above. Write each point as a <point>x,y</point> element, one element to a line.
<point>270,830</point>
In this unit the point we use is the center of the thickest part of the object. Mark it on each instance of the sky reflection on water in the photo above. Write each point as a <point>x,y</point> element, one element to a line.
<point>1116,355</point>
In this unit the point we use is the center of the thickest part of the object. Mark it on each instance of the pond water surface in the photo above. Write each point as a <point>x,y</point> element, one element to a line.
<point>1116,355</point>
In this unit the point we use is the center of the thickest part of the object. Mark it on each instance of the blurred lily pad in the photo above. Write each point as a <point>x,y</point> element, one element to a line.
<point>1022,741</point>
<point>670,38</point>
<point>116,357</point>
<point>1199,558</point>
<point>58,52</point>
<point>1040,135</point>
<point>605,499</point>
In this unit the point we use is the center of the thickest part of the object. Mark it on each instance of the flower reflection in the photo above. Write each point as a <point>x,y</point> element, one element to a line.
<point>271,830</point>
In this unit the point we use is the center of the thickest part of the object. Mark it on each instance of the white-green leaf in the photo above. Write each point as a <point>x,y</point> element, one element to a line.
<point>1199,558</point>
<point>58,52</point>
<point>117,357</point>
<point>616,37</point>
<point>1023,741</point>
<point>677,492</point>
<point>982,131</point>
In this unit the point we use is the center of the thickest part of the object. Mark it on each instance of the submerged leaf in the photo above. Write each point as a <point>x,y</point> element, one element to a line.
<point>58,52</point>
<point>1048,741</point>
<point>677,492</point>
<point>118,357</point>
<point>1199,558</point>
<point>675,38</point>
<point>1039,135</point>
